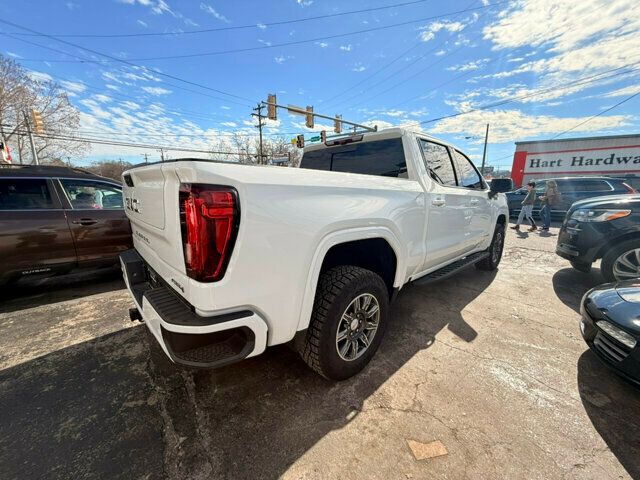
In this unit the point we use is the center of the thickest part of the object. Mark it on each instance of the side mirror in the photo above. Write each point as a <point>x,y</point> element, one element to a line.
<point>493,190</point>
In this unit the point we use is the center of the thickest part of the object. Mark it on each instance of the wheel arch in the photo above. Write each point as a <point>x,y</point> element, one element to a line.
<point>616,241</point>
<point>359,246</point>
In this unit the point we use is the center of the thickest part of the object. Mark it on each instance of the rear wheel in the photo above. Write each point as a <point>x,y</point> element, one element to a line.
<point>622,262</point>
<point>347,323</point>
<point>495,250</point>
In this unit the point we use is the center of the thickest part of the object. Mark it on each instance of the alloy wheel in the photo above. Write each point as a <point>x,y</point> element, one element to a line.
<point>357,327</point>
<point>627,265</point>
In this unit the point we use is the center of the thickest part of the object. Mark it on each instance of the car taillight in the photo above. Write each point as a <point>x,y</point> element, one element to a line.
<point>209,219</point>
<point>629,188</point>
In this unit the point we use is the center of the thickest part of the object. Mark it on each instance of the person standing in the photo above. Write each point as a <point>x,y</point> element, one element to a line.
<point>550,198</point>
<point>527,208</point>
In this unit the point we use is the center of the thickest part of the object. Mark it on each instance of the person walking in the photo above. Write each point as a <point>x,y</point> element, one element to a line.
<point>527,208</point>
<point>550,198</point>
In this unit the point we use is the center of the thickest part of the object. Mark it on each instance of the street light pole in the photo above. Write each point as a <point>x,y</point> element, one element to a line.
<point>484,153</point>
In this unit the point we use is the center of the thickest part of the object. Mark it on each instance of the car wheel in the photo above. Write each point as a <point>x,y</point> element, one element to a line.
<point>580,266</point>
<point>622,262</point>
<point>347,323</point>
<point>495,251</point>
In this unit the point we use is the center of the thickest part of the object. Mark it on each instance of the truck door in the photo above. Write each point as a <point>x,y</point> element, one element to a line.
<point>448,212</point>
<point>34,235</point>
<point>97,220</point>
<point>479,227</point>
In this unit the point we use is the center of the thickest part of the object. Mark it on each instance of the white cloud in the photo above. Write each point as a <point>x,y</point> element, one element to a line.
<point>40,76</point>
<point>474,65</point>
<point>304,3</point>
<point>358,67</point>
<point>156,90</point>
<point>14,55</point>
<point>130,105</point>
<point>429,31</point>
<point>224,107</point>
<point>213,12</point>
<point>101,98</point>
<point>229,124</point>
<point>322,44</point>
<point>624,92</point>
<point>513,125</point>
<point>73,87</point>
<point>95,109</point>
<point>439,53</point>
<point>264,42</point>
<point>158,7</point>
<point>261,26</point>
<point>346,48</point>
<point>141,23</point>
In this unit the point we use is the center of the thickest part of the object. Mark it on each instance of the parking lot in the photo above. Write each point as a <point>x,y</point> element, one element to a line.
<point>490,364</point>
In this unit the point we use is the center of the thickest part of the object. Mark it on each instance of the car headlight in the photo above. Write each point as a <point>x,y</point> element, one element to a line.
<point>620,335</point>
<point>585,215</point>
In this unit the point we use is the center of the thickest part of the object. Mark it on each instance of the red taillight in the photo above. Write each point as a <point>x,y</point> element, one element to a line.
<point>209,218</point>
<point>629,188</point>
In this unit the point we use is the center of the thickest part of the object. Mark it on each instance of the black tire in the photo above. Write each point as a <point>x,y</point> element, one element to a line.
<point>337,288</point>
<point>609,259</point>
<point>491,262</point>
<point>581,267</point>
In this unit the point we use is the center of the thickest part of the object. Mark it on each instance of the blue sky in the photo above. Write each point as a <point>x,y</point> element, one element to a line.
<point>563,61</point>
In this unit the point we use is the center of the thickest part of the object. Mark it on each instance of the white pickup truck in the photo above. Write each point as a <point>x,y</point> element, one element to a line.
<point>230,259</point>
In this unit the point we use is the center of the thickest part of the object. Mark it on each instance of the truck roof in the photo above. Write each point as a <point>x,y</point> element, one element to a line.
<point>392,132</point>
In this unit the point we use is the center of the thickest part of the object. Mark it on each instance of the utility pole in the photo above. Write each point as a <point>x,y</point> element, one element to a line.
<point>259,126</point>
<point>484,153</point>
<point>33,145</point>
<point>146,157</point>
<point>161,154</point>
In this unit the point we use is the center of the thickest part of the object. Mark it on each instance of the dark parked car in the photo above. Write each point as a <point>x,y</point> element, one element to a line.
<point>54,219</point>
<point>572,189</point>
<point>611,326</point>
<point>606,228</point>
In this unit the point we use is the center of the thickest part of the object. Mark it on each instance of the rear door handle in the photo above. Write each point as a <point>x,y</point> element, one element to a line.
<point>84,221</point>
<point>438,202</point>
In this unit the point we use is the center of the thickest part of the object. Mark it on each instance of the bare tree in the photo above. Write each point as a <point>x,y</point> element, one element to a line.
<point>20,93</point>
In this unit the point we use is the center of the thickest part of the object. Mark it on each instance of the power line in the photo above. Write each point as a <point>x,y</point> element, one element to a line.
<point>126,62</point>
<point>237,27</point>
<point>580,81</point>
<point>97,62</point>
<point>275,45</point>
<point>597,115</point>
<point>369,77</point>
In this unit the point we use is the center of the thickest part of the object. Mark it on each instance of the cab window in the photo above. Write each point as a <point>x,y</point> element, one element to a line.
<point>90,194</point>
<point>25,194</point>
<point>438,162</point>
<point>468,176</point>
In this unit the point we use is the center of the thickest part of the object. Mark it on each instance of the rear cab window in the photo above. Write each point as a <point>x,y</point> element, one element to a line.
<point>384,158</point>
<point>438,162</point>
<point>25,194</point>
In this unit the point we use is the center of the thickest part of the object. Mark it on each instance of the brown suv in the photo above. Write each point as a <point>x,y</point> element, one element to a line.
<point>54,219</point>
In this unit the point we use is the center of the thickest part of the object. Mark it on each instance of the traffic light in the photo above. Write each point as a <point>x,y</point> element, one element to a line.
<point>271,107</point>
<point>300,141</point>
<point>323,136</point>
<point>38,126</point>
<point>337,124</point>
<point>309,121</point>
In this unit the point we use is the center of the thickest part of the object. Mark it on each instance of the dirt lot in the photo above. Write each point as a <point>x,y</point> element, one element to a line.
<point>491,365</point>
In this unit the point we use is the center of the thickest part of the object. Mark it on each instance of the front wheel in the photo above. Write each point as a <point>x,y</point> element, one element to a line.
<point>347,323</point>
<point>622,262</point>
<point>492,261</point>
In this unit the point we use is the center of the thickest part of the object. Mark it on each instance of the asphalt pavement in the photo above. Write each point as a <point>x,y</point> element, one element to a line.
<point>488,367</point>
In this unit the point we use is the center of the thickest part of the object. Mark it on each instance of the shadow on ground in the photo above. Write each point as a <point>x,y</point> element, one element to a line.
<point>570,285</point>
<point>613,406</point>
<point>59,288</point>
<point>114,407</point>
